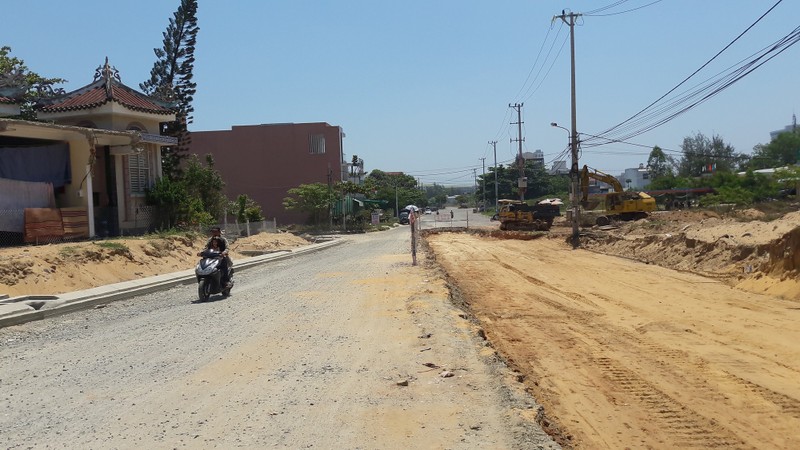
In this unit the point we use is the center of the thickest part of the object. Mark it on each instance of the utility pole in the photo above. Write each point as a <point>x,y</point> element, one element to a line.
<point>483,163</point>
<point>330,197</point>
<point>475,189</point>
<point>494,145</point>
<point>522,183</point>
<point>569,19</point>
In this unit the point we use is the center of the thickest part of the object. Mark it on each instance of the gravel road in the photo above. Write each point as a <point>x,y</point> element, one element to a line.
<point>351,347</point>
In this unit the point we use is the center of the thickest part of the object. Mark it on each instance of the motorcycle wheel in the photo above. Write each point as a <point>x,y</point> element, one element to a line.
<point>203,290</point>
<point>226,292</point>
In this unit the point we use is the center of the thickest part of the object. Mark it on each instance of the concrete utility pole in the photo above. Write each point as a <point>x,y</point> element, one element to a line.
<point>475,191</point>
<point>494,145</point>
<point>330,197</point>
<point>483,163</point>
<point>522,183</point>
<point>569,19</point>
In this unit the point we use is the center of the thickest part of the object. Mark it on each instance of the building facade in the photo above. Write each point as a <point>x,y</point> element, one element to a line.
<point>635,179</point>
<point>102,148</point>
<point>265,161</point>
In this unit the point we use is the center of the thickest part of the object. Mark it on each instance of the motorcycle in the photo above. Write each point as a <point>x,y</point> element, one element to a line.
<point>209,275</point>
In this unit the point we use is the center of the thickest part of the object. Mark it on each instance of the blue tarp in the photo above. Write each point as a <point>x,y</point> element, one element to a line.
<point>49,163</point>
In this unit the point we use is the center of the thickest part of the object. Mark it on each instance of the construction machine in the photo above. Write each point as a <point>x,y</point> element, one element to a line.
<point>518,215</point>
<point>619,205</point>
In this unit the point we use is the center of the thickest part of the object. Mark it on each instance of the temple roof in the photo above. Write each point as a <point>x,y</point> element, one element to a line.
<point>106,87</point>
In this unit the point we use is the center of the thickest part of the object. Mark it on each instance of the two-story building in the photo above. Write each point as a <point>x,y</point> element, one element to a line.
<point>265,161</point>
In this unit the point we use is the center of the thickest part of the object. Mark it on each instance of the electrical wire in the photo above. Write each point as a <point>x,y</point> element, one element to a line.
<point>622,12</point>
<point>651,120</point>
<point>644,111</point>
<point>607,7</point>
<point>560,49</point>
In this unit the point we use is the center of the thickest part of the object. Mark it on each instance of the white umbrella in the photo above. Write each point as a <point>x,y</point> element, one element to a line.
<point>412,208</point>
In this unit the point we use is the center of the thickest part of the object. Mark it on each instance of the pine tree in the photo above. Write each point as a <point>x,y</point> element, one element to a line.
<point>171,81</point>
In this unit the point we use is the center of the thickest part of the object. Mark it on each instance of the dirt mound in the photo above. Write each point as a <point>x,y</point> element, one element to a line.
<point>756,255</point>
<point>70,266</point>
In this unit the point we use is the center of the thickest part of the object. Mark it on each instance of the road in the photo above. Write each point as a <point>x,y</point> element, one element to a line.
<point>461,218</point>
<point>351,347</point>
<point>629,355</point>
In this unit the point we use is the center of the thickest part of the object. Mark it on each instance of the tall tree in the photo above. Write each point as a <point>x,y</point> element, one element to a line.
<point>781,151</point>
<point>659,163</point>
<point>171,80</point>
<point>704,155</point>
<point>397,189</point>
<point>314,198</point>
<point>17,81</point>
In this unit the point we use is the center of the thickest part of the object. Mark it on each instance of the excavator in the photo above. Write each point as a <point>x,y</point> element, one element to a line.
<point>620,205</point>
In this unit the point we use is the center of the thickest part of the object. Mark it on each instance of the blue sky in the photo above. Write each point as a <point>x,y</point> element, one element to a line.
<point>422,86</point>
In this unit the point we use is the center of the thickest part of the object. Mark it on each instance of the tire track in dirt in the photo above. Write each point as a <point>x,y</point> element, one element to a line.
<point>690,429</point>
<point>602,351</point>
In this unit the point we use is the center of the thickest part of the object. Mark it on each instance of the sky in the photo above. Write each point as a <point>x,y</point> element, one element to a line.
<point>423,86</point>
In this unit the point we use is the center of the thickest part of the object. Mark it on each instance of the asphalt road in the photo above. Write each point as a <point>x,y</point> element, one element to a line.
<point>350,347</point>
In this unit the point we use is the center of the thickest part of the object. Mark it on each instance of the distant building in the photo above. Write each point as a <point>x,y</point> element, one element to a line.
<point>636,179</point>
<point>559,168</point>
<point>787,129</point>
<point>265,161</point>
<point>537,157</point>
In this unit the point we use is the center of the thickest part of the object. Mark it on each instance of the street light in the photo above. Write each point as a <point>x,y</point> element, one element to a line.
<point>573,173</point>
<point>553,124</point>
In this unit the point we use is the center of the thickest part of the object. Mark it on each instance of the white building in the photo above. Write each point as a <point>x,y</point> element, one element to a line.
<point>786,129</point>
<point>635,179</point>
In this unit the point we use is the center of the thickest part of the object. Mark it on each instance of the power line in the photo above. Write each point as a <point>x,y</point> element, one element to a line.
<point>622,12</point>
<point>645,109</point>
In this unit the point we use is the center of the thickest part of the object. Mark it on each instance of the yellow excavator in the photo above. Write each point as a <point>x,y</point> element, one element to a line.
<point>620,205</point>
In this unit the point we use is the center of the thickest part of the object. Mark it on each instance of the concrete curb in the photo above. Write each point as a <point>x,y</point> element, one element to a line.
<point>17,310</point>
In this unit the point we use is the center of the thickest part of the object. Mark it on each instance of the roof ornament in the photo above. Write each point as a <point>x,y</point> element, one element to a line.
<point>13,83</point>
<point>107,73</point>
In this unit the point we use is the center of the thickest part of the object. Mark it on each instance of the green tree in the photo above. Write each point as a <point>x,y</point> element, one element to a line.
<point>204,184</point>
<point>19,82</point>
<point>313,198</point>
<point>246,209</point>
<point>171,198</point>
<point>397,189</point>
<point>659,163</point>
<point>171,81</point>
<point>781,151</point>
<point>540,183</point>
<point>700,153</point>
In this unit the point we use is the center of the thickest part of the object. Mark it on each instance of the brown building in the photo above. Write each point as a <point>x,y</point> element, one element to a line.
<point>265,161</point>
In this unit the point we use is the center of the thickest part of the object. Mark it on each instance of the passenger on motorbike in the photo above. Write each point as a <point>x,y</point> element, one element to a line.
<point>221,244</point>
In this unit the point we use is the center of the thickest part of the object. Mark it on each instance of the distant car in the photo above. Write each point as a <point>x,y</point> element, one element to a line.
<point>404,217</point>
<point>428,211</point>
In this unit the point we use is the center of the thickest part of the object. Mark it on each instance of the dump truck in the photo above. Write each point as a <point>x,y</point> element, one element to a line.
<point>519,215</point>
<point>620,204</point>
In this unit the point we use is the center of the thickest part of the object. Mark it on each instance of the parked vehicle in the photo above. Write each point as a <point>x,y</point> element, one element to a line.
<point>620,204</point>
<point>518,215</point>
<point>209,275</point>
<point>404,220</point>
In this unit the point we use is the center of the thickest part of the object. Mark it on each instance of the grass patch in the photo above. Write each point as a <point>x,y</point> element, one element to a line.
<point>111,245</point>
<point>68,251</point>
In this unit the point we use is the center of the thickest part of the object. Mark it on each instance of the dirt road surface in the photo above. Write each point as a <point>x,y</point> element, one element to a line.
<point>348,348</point>
<point>629,355</point>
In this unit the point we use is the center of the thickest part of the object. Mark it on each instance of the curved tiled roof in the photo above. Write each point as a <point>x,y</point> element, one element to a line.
<point>8,100</point>
<point>106,88</point>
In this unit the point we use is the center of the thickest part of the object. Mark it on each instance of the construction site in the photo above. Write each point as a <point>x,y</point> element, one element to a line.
<point>679,330</point>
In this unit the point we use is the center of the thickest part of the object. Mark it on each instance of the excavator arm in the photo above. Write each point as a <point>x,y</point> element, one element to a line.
<point>587,173</point>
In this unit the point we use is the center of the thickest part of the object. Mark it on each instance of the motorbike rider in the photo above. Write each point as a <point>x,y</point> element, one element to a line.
<point>217,240</point>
